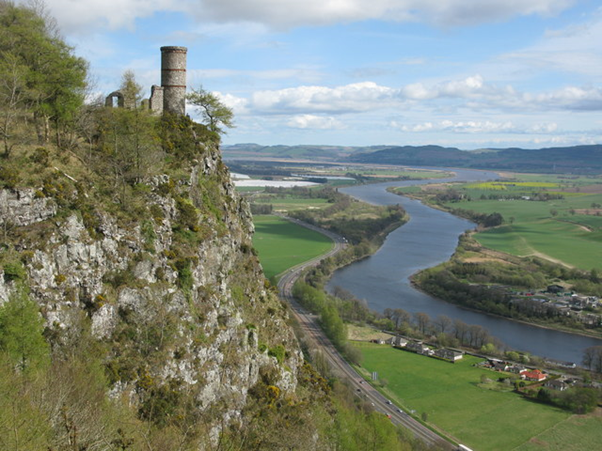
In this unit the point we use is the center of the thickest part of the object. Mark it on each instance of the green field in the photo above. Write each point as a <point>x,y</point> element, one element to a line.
<point>282,244</point>
<point>451,397</point>
<point>577,433</point>
<point>567,229</point>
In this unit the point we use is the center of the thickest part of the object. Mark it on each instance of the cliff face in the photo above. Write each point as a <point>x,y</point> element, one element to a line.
<point>175,295</point>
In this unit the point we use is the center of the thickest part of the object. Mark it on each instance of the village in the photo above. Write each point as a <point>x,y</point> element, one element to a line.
<point>511,373</point>
<point>555,298</point>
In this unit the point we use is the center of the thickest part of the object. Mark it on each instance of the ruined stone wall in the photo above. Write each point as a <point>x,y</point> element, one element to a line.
<point>156,99</point>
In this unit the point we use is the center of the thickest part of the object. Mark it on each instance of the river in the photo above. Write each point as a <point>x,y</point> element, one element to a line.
<point>427,239</point>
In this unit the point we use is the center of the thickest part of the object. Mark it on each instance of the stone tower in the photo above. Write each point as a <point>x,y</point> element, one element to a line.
<point>173,79</point>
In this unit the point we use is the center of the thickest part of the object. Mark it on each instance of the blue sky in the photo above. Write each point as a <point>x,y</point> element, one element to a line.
<point>463,73</point>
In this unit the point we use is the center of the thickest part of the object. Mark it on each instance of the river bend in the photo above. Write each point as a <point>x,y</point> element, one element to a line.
<point>427,239</point>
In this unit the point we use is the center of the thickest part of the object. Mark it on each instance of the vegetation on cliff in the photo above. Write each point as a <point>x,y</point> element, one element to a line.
<point>133,311</point>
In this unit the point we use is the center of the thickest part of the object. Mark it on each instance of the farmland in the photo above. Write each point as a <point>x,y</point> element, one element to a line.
<point>553,217</point>
<point>452,398</point>
<point>281,244</point>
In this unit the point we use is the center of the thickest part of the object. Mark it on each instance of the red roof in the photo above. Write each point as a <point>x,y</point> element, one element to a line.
<point>535,375</point>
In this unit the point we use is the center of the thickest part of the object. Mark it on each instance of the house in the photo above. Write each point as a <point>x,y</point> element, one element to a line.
<point>498,365</point>
<point>398,342</point>
<point>516,369</point>
<point>448,354</point>
<point>533,375</point>
<point>418,347</point>
<point>556,384</point>
<point>555,289</point>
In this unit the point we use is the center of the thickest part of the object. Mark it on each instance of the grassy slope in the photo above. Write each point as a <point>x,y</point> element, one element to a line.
<point>450,395</point>
<point>282,244</point>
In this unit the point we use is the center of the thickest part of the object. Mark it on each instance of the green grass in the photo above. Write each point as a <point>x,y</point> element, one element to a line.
<point>282,244</point>
<point>450,394</point>
<point>557,228</point>
<point>576,433</point>
<point>531,228</point>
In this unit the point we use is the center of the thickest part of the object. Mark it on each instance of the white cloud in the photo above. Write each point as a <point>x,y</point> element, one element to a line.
<point>237,104</point>
<point>86,15</point>
<point>310,121</point>
<point>291,13</point>
<point>353,97</point>
<point>479,127</point>
<point>472,93</point>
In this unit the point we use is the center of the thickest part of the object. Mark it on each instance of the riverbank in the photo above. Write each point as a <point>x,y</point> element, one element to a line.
<point>428,239</point>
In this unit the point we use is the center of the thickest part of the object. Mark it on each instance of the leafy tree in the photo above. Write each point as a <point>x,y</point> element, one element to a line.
<point>131,90</point>
<point>215,114</point>
<point>46,81</point>
<point>21,329</point>
<point>333,325</point>
<point>128,142</point>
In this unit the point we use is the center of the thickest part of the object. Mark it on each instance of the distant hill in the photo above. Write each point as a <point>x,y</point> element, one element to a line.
<point>315,152</point>
<point>577,159</point>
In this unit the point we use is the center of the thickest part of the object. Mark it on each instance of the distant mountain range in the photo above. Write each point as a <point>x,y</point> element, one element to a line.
<point>575,159</point>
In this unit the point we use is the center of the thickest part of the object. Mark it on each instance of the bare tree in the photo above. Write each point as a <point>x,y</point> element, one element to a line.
<point>443,323</point>
<point>423,321</point>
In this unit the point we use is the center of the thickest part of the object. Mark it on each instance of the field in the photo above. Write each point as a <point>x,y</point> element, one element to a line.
<point>576,433</point>
<point>452,399</point>
<point>554,217</point>
<point>282,244</point>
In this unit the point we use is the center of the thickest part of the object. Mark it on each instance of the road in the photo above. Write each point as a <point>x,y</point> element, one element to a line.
<point>309,324</point>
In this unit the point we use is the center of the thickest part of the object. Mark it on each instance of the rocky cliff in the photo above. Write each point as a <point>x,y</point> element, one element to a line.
<point>174,292</point>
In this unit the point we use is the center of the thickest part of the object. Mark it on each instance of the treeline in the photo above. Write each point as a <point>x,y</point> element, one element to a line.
<point>482,219</point>
<point>579,400</point>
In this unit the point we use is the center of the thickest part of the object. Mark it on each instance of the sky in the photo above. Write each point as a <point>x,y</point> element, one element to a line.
<point>464,73</point>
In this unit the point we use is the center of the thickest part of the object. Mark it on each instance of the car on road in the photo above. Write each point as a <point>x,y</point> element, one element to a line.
<point>389,402</point>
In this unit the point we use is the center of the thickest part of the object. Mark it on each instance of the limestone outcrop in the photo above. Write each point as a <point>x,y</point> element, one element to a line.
<point>175,302</point>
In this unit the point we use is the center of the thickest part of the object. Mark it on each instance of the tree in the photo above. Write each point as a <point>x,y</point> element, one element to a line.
<point>129,145</point>
<point>48,82</point>
<point>12,104</point>
<point>592,358</point>
<point>214,113</point>
<point>21,329</point>
<point>423,320</point>
<point>131,90</point>
<point>333,326</point>
<point>402,317</point>
<point>443,323</point>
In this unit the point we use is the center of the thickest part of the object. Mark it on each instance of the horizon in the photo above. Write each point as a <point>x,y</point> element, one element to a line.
<point>354,72</point>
